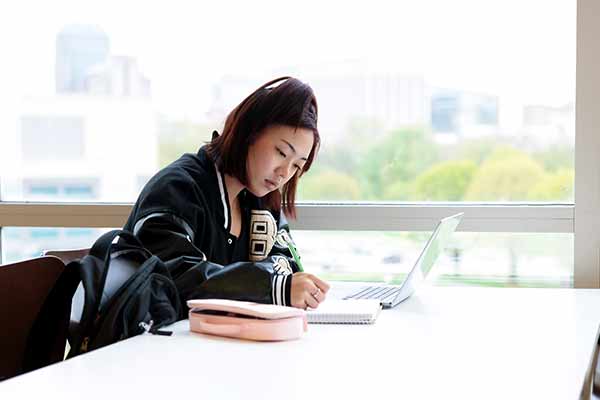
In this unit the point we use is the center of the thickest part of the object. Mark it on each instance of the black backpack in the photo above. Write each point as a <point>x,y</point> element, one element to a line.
<point>123,290</point>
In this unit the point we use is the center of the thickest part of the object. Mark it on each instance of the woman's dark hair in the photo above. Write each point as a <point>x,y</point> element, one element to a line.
<point>291,103</point>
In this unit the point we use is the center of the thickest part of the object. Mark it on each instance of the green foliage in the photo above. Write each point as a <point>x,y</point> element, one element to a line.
<point>477,150</point>
<point>398,157</point>
<point>344,158</point>
<point>447,181</point>
<point>398,191</point>
<point>506,153</point>
<point>346,155</point>
<point>507,175</point>
<point>557,186</point>
<point>328,185</point>
<point>405,165</point>
<point>556,158</point>
<point>181,137</point>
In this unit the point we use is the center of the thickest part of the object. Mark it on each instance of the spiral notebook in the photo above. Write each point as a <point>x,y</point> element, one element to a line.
<point>334,311</point>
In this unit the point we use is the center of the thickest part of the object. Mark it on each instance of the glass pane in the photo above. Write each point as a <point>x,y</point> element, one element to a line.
<point>482,259</point>
<point>488,259</point>
<point>28,242</point>
<point>419,101</point>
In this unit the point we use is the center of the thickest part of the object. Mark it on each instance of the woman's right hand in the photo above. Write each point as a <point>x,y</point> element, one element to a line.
<point>307,290</point>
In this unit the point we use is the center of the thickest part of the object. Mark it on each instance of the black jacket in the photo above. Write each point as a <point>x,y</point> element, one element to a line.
<point>182,214</point>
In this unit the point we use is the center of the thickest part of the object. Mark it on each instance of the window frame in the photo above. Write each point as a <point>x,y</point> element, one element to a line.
<point>587,147</point>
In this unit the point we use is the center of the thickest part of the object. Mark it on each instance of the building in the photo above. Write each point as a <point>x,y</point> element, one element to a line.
<point>545,126</point>
<point>78,49</point>
<point>82,148</point>
<point>457,115</point>
<point>385,100</point>
<point>119,76</point>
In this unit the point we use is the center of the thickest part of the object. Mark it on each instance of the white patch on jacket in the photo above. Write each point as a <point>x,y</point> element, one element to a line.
<point>263,228</point>
<point>281,265</point>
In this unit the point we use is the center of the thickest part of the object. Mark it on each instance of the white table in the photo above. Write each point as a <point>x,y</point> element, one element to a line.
<point>456,343</point>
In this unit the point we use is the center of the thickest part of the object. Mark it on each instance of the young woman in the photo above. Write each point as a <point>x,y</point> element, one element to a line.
<point>224,208</point>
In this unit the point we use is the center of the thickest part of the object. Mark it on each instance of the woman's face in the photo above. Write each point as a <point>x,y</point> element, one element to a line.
<point>279,152</point>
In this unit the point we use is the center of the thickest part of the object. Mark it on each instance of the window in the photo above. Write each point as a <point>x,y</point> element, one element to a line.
<point>60,189</point>
<point>489,259</point>
<point>414,106</point>
<point>415,109</point>
<point>20,243</point>
<point>45,138</point>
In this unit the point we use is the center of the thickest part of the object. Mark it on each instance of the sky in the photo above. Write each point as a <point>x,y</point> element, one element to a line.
<point>520,50</point>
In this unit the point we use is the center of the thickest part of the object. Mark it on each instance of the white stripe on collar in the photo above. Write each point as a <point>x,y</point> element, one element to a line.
<point>223,198</point>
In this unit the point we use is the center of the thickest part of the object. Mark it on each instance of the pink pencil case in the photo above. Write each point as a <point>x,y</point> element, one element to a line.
<point>246,320</point>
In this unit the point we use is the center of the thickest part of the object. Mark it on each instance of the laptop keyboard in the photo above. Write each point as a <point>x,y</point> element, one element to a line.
<point>375,292</point>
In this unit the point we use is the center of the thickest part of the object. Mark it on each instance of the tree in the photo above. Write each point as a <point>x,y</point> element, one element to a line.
<point>447,181</point>
<point>398,191</point>
<point>397,158</point>
<point>345,155</point>
<point>477,150</point>
<point>556,158</point>
<point>557,186</point>
<point>177,138</point>
<point>508,174</point>
<point>328,185</point>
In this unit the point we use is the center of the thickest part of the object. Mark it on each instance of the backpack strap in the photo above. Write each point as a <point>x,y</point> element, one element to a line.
<point>102,246</point>
<point>48,334</point>
<point>102,250</point>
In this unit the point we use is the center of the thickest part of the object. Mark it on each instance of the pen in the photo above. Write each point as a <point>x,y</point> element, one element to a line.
<point>296,256</point>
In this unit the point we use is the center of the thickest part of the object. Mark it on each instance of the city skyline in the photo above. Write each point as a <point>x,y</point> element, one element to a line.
<point>184,58</point>
<point>85,65</point>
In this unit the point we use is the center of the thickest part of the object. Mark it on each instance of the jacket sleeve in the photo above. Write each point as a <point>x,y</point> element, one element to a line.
<point>170,239</point>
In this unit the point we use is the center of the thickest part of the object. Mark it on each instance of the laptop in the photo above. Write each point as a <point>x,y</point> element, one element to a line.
<point>392,295</point>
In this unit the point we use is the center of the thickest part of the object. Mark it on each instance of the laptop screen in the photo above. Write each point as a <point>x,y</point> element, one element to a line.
<point>437,243</point>
<point>435,246</point>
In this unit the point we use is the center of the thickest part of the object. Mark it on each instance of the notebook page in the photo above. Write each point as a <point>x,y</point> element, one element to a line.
<point>334,311</point>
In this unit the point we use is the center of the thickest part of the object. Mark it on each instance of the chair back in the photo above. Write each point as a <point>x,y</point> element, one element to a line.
<point>24,286</point>
<point>67,255</point>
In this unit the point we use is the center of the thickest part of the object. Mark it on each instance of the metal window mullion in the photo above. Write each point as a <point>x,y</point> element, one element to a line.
<point>478,218</point>
<point>63,214</point>
<point>394,217</point>
<point>587,147</point>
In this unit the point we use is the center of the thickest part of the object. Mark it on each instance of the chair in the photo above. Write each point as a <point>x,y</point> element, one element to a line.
<point>67,255</point>
<point>24,286</point>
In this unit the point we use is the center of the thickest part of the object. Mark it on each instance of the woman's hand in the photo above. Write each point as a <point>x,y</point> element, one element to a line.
<point>307,290</point>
